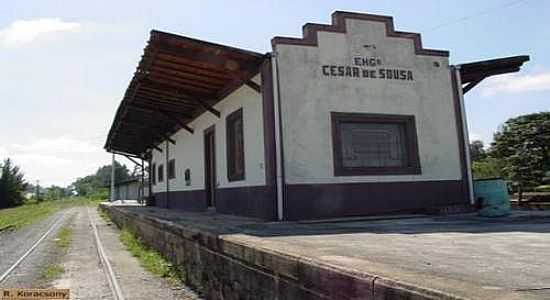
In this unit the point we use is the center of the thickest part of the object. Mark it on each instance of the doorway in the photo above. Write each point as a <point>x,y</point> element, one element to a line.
<point>210,166</point>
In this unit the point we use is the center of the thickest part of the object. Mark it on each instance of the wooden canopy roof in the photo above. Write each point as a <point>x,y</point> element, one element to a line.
<point>177,79</point>
<point>473,73</point>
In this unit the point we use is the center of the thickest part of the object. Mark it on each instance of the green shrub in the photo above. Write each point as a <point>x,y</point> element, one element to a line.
<point>543,188</point>
<point>100,194</point>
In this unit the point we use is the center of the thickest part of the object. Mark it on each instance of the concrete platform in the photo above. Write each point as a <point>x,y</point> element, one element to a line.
<point>452,257</point>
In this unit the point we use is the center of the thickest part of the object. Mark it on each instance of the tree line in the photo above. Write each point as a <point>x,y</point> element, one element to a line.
<point>15,190</point>
<point>519,153</point>
<point>97,185</point>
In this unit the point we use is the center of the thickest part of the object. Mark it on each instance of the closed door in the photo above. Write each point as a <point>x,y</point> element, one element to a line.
<point>210,166</point>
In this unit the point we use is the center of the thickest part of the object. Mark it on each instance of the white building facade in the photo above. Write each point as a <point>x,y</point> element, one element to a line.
<point>352,119</point>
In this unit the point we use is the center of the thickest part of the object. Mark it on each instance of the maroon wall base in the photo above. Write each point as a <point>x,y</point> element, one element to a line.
<point>314,201</point>
<point>256,201</point>
<point>182,200</point>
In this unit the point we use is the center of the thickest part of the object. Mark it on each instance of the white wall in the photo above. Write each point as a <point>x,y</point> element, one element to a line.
<point>189,148</point>
<point>308,97</point>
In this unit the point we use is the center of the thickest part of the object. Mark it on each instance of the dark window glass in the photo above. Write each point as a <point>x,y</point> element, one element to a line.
<point>235,146</point>
<point>367,144</point>
<point>171,169</point>
<point>187,176</point>
<point>373,145</point>
<point>161,173</point>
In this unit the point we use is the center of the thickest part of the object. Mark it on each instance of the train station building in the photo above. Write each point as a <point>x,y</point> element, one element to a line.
<point>354,118</point>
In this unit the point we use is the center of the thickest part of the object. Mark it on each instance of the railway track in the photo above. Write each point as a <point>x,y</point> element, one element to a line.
<point>108,269</point>
<point>30,250</point>
<point>48,233</point>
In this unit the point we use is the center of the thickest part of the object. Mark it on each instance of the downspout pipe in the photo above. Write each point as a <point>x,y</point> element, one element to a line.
<point>113,177</point>
<point>278,141</point>
<point>142,190</point>
<point>165,170</point>
<point>150,183</point>
<point>466,134</point>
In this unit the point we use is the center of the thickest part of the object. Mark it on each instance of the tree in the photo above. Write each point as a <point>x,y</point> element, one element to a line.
<point>489,167</point>
<point>104,173</point>
<point>55,193</point>
<point>96,183</point>
<point>12,185</point>
<point>477,151</point>
<point>523,145</point>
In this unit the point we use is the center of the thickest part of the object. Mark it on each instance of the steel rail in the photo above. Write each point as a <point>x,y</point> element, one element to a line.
<point>113,283</point>
<point>30,250</point>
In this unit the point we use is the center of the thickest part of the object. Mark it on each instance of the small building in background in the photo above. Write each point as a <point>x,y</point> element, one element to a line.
<point>131,189</point>
<point>353,118</point>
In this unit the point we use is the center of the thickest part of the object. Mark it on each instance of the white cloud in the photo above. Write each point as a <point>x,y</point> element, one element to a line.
<point>516,83</point>
<point>475,137</point>
<point>57,145</point>
<point>22,32</point>
<point>57,160</point>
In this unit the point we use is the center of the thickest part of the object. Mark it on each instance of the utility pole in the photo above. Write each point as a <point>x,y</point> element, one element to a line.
<point>113,178</point>
<point>37,190</point>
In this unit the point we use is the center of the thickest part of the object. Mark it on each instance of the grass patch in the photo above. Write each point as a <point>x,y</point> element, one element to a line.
<point>543,188</point>
<point>52,272</point>
<point>32,211</point>
<point>63,239</point>
<point>104,215</point>
<point>149,259</point>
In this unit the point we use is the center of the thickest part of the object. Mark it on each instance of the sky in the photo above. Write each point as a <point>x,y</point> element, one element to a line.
<point>66,64</point>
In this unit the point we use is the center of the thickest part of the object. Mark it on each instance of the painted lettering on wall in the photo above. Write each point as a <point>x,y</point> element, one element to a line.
<point>367,67</point>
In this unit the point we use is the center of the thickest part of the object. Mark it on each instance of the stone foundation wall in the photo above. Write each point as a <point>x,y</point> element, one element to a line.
<point>224,269</point>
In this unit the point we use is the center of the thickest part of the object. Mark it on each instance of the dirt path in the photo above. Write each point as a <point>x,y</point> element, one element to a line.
<point>86,277</point>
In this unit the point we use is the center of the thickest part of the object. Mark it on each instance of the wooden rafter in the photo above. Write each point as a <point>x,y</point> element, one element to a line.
<point>253,85</point>
<point>177,79</point>
<point>475,70</point>
<point>178,121</point>
<point>131,159</point>
<point>208,108</point>
<point>471,85</point>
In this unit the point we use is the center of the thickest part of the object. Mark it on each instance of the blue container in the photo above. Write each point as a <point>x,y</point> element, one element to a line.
<point>492,195</point>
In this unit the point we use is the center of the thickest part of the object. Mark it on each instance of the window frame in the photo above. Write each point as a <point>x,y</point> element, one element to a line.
<point>171,167</point>
<point>160,173</point>
<point>230,134</point>
<point>412,160</point>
